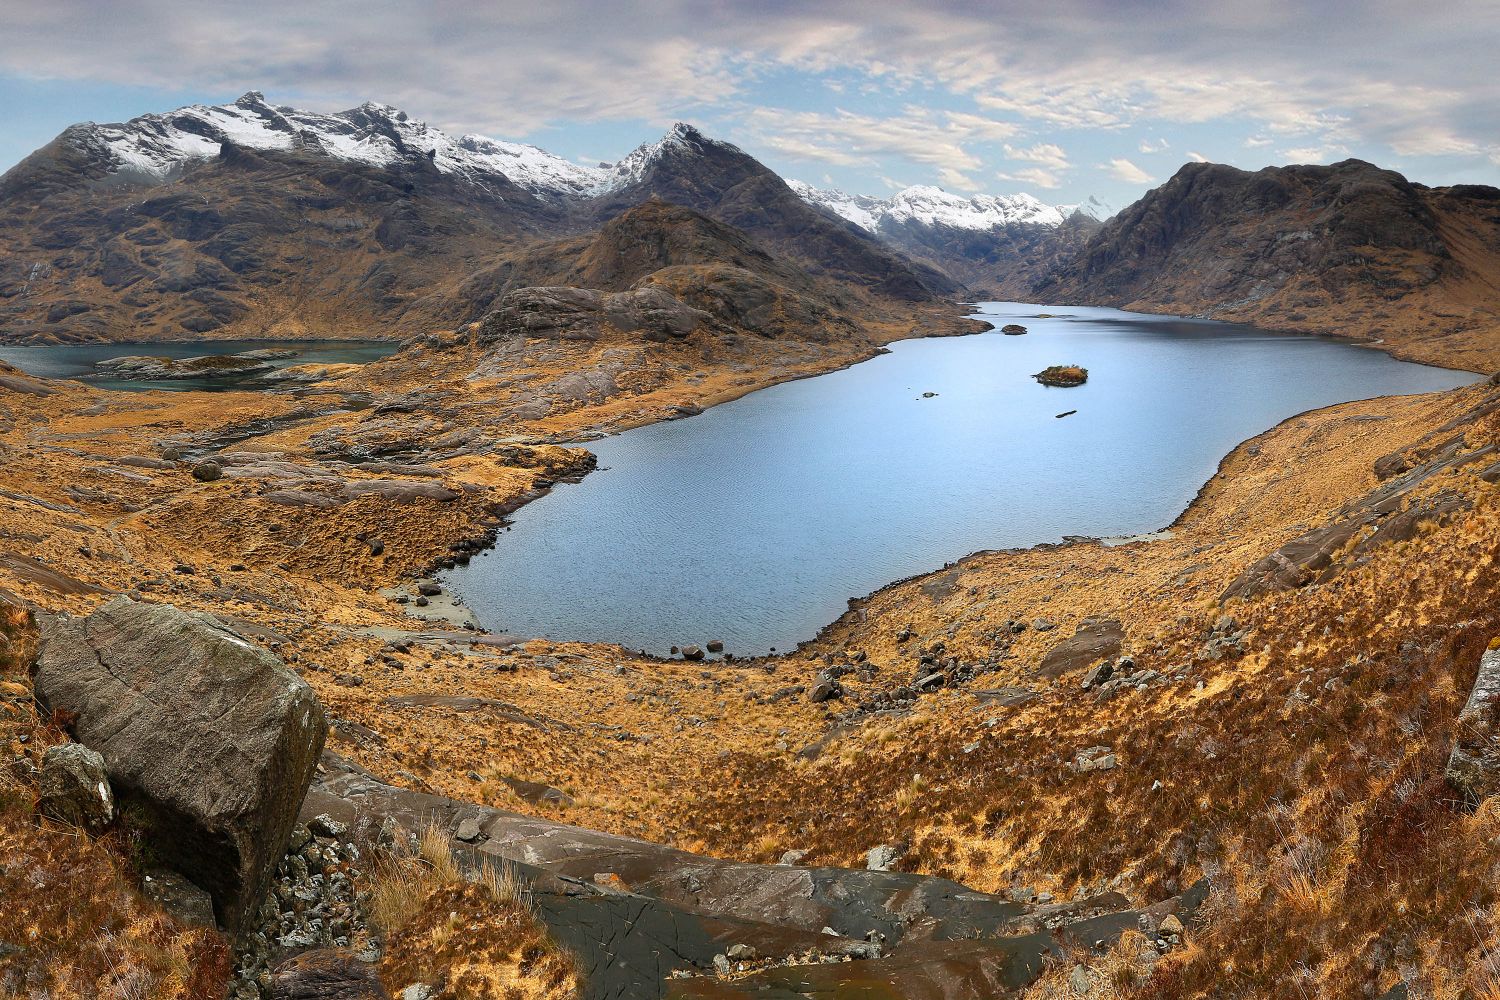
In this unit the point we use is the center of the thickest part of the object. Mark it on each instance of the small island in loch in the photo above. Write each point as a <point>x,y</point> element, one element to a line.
<point>1062,376</point>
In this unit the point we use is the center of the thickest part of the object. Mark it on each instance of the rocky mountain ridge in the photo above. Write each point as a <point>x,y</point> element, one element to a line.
<point>252,221</point>
<point>1347,248</point>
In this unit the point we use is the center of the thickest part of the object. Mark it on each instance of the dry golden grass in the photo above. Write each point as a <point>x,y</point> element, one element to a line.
<point>469,935</point>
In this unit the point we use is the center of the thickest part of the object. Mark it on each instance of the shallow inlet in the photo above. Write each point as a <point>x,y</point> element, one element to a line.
<point>756,521</point>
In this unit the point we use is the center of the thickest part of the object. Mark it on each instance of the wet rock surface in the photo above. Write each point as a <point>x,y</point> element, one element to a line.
<point>649,921</point>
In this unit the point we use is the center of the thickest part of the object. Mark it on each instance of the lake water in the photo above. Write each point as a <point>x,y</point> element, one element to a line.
<point>755,522</point>
<point>77,360</point>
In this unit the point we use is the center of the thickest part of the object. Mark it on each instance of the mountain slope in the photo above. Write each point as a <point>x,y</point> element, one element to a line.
<point>249,220</point>
<point>1348,248</point>
<point>720,180</point>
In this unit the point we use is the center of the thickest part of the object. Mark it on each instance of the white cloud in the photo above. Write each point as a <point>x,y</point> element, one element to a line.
<point>1157,146</point>
<point>1046,154</point>
<point>1375,77</point>
<point>1035,176</point>
<point>1196,156</point>
<point>1122,169</point>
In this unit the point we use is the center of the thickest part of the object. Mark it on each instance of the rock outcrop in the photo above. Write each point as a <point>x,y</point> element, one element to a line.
<point>1474,767</point>
<point>209,736</point>
<point>648,921</point>
<point>561,313</point>
<point>1096,639</point>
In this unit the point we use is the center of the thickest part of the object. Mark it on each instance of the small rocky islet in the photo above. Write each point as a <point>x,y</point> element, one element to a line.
<point>1062,376</point>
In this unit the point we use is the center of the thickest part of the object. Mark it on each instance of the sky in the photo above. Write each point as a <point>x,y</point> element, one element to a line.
<point>1064,99</point>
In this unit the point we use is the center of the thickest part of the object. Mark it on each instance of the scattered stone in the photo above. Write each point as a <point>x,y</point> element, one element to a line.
<point>468,830</point>
<point>1013,329</point>
<point>1170,924</point>
<point>74,787</point>
<point>742,953</point>
<point>1095,759</point>
<point>692,653</point>
<point>324,825</point>
<point>825,689</point>
<point>792,858</point>
<point>1100,673</point>
<point>715,646</point>
<point>880,859</point>
<point>327,974</point>
<point>208,472</point>
<point>429,589</point>
<point>1080,982</point>
<point>176,894</point>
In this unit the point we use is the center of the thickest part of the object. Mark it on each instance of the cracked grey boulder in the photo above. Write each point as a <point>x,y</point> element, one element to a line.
<point>75,787</point>
<point>209,738</point>
<point>1474,766</point>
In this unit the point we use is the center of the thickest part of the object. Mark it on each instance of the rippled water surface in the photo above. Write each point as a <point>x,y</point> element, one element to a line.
<point>757,521</point>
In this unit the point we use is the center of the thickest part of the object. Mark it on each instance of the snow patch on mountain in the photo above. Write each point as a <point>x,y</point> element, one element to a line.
<point>933,207</point>
<point>157,147</point>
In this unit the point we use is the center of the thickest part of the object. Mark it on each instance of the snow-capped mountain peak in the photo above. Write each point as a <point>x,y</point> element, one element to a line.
<point>925,205</point>
<point>154,148</point>
<point>634,167</point>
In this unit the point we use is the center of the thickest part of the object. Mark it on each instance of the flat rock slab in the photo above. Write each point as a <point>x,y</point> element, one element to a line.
<point>210,735</point>
<point>1095,640</point>
<point>949,970</point>
<point>29,570</point>
<point>635,912</point>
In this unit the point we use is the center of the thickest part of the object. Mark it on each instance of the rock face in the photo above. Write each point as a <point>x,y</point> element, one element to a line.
<point>1095,640</point>
<point>1393,512</point>
<point>211,736</point>
<point>75,788</point>
<point>1474,766</point>
<point>562,313</point>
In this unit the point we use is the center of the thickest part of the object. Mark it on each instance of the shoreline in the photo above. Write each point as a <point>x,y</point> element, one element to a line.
<point>857,603</point>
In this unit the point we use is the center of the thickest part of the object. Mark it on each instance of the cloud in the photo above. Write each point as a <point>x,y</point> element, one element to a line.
<point>941,140</point>
<point>1314,154</point>
<point>1122,169</point>
<point>1046,154</point>
<point>1035,176</point>
<point>1197,157</point>
<point>951,79</point>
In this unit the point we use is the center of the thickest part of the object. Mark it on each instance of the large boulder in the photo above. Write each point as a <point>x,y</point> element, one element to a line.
<point>208,736</point>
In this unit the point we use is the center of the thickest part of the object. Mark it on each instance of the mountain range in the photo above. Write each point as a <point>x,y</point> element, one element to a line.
<point>254,220</point>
